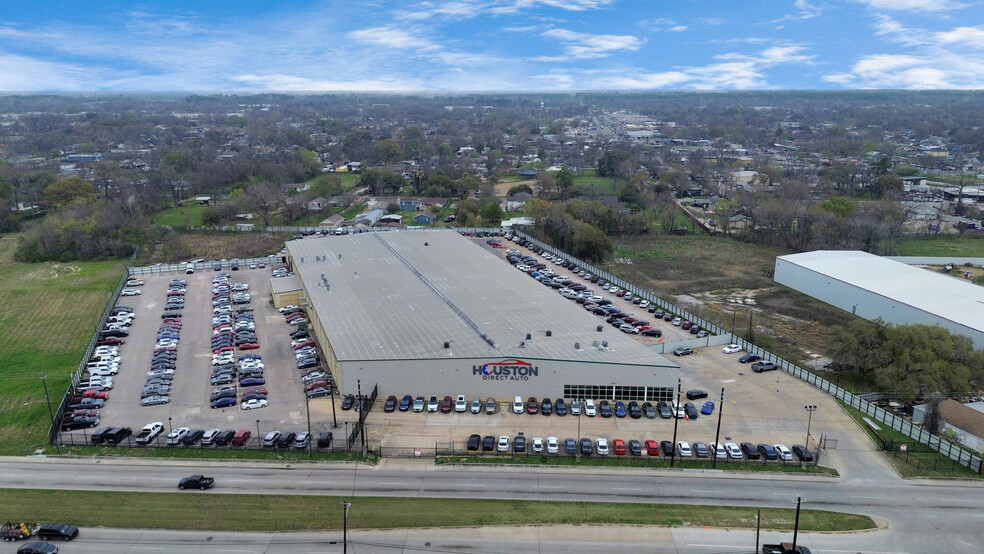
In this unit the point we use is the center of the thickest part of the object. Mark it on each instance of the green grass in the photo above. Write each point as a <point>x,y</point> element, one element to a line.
<point>621,461</point>
<point>189,214</point>
<point>941,245</point>
<point>236,512</point>
<point>913,464</point>
<point>50,311</point>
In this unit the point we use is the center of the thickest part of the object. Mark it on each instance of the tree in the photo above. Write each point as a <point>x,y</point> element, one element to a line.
<point>887,185</point>
<point>838,205</point>
<point>392,208</point>
<point>491,212</point>
<point>381,181</point>
<point>386,151</point>
<point>608,165</point>
<point>264,199</point>
<point>67,190</point>
<point>590,243</point>
<point>519,188</point>
<point>564,181</point>
<point>211,216</point>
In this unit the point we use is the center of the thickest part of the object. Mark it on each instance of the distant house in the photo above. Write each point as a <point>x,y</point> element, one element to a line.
<point>962,422</point>
<point>410,205</point>
<point>369,218</point>
<point>354,167</point>
<point>295,187</point>
<point>317,204</point>
<point>333,221</point>
<point>528,173</point>
<point>84,157</point>
<point>424,219</point>
<point>516,201</point>
<point>203,200</point>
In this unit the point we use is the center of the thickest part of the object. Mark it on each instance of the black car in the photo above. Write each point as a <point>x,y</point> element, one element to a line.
<point>665,411</point>
<point>667,448</point>
<point>224,438</point>
<point>519,444</point>
<point>668,317</point>
<point>690,410</point>
<point>391,405</point>
<point>324,439</point>
<point>750,451</point>
<point>605,407</point>
<point>60,531</point>
<point>586,447</point>
<point>635,412</point>
<point>648,410</point>
<point>193,437</point>
<point>474,441</point>
<point>748,358</point>
<point>300,334</point>
<point>100,435</point>
<point>652,333</point>
<point>694,394</point>
<point>802,453</point>
<point>635,447</point>
<point>286,439</point>
<point>488,443</point>
<point>546,408</point>
<point>230,393</point>
<point>570,446</point>
<point>348,402</point>
<point>560,407</point>
<point>36,548</point>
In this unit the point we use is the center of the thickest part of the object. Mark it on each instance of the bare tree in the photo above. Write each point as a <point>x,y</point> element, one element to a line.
<point>264,199</point>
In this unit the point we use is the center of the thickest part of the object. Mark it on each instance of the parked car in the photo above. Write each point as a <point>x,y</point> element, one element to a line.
<point>802,453</point>
<point>760,367</point>
<point>749,358</point>
<point>731,349</point>
<point>389,406</point>
<point>601,445</point>
<point>768,452</point>
<point>695,394</point>
<point>783,452</point>
<point>707,408</point>
<point>683,351</point>
<point>750,451</point>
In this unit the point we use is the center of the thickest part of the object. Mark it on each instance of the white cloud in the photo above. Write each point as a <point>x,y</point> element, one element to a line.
<point>582,46</point>
<point>971,37</point>
<point>677,28</point>
<point>389,37</point>
<point>295,83</point>
<point>914,5</point>
<point>465,9</point>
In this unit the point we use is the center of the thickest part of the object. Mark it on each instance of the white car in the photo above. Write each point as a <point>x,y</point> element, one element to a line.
<point>175,436</point>
<point>254,403</point>
<point>503,445</point>
<point>209,436</point>
<point>731,349</point>
<point>460,404</point>
<point>552,445</point>
<point>537,445</point>
<point>677,321</point>
<point>719,451</point>
<point>683,447</point>
<point>783,452</point>
<point>130,292</point>
<point>102,372</point>
<point>601,445</point>
<point>733,451</point>
<point>589,408</point>
<point>288,308</point>
<point>476,405</point>
<point>433,404</point>
<point>135,283</point>
<point>644,304</point>
<point>518,405</point>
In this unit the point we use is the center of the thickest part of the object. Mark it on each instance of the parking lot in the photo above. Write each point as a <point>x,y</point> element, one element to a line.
<point>190,392</point>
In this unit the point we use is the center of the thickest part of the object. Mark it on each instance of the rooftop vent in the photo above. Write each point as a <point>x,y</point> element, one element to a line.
<point>600,328</point>
<point>549,333</point>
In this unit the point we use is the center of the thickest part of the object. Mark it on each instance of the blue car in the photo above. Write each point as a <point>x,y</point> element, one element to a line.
<point>619,409</point>
<point>252,382</point>
<point>405,403</point>
<point>707,408</point>
<point>224,403</point>
<point>560,407</point>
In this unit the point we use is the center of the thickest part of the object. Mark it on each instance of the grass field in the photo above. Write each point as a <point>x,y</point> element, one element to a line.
<point>944,245</point>
<point>50,311</point>
<point>234,512</point>
<point>189,214</point>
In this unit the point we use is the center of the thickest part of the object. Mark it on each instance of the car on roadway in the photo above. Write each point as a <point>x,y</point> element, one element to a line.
<point>60,531</point>
<point>36,547</point>
<point>695,394</point>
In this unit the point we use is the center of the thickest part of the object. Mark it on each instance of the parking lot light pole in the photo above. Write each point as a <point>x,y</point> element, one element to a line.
<point>51,414</point>
<point>809,409</point>
<point>717,434</point>
<point>307,408</point>
<point>258,432</point>
<point>169,430</point>
<point>334,420</point>
<point>796,525</point>
<point>676,421</point>
<point>345,509</point>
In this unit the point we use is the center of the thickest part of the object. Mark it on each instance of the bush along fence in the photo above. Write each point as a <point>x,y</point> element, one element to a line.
<point>912,430</point>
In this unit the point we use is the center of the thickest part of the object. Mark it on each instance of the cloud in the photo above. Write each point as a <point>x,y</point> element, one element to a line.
<point>464,9</point>
<point>580,46</point>
<point>390,37</point>
<point>914,5</point>
<point>971,37</point>
<point>277,81</point>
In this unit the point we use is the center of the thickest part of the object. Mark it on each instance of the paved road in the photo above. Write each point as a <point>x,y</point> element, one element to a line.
<point>917,516</point>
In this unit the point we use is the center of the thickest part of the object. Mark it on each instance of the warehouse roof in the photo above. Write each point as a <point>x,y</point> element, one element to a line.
<point>289,283</point>
<point>403,295</point>
<point>947,297</point>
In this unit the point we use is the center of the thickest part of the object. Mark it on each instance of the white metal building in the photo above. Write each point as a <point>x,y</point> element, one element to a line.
<point>873,287</point>
<point>432,312</point>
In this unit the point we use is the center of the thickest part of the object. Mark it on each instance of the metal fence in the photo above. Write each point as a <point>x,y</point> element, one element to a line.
<point>951,450</point>
<point>59,414</point>
<point>83,438</point>
<point>207,265</point>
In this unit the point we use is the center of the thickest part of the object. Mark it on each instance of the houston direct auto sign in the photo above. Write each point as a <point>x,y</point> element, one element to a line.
<point>506,370</point>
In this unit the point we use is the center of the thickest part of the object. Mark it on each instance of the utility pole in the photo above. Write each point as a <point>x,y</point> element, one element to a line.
<point>307,408</point>
<point>809,409</point>
<point>717,434</point>
<point>796,525</point>
<point>345,509</point>
<point>51,414</point>
<point>676,421</point>
<point>334,420</point>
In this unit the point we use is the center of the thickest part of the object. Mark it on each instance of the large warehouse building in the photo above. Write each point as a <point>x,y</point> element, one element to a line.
<point>873,287</point>
<point>434,313</point>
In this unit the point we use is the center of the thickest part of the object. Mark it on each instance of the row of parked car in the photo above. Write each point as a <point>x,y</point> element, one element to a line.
<point>648,447</point>
<point>164,360</point>
<point>316,383</point>
<point>547,406</point>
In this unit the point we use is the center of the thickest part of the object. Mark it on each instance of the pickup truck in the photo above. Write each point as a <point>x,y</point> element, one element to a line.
<point>16,531</point>
<point>784,548</point>
<point>196,481</point>
<point>149,432</point>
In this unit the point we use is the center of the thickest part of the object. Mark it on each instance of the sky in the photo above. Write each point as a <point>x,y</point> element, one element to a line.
<point>489,45</point>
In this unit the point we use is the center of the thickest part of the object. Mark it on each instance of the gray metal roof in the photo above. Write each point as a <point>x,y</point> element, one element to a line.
<point>285,284</point>
<point>948,297</point>
<point>402,295</point>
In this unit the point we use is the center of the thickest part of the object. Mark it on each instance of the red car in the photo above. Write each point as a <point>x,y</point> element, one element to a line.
<point>83,413</point>
<point>531,405</point>
<point>315,384</point>
<point>618,445</point>
<point>223,349</point>
<point>620,293</point>
<point>303,344</point>
<point>259,390</point>
<point>110,341</point>
<point>249,346</point>
<point>93,393</point>
<point>651,447</point>
<point>242,437</point>
<point>175,293</point>
<point>686,325</point>
<point>446,405</point>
